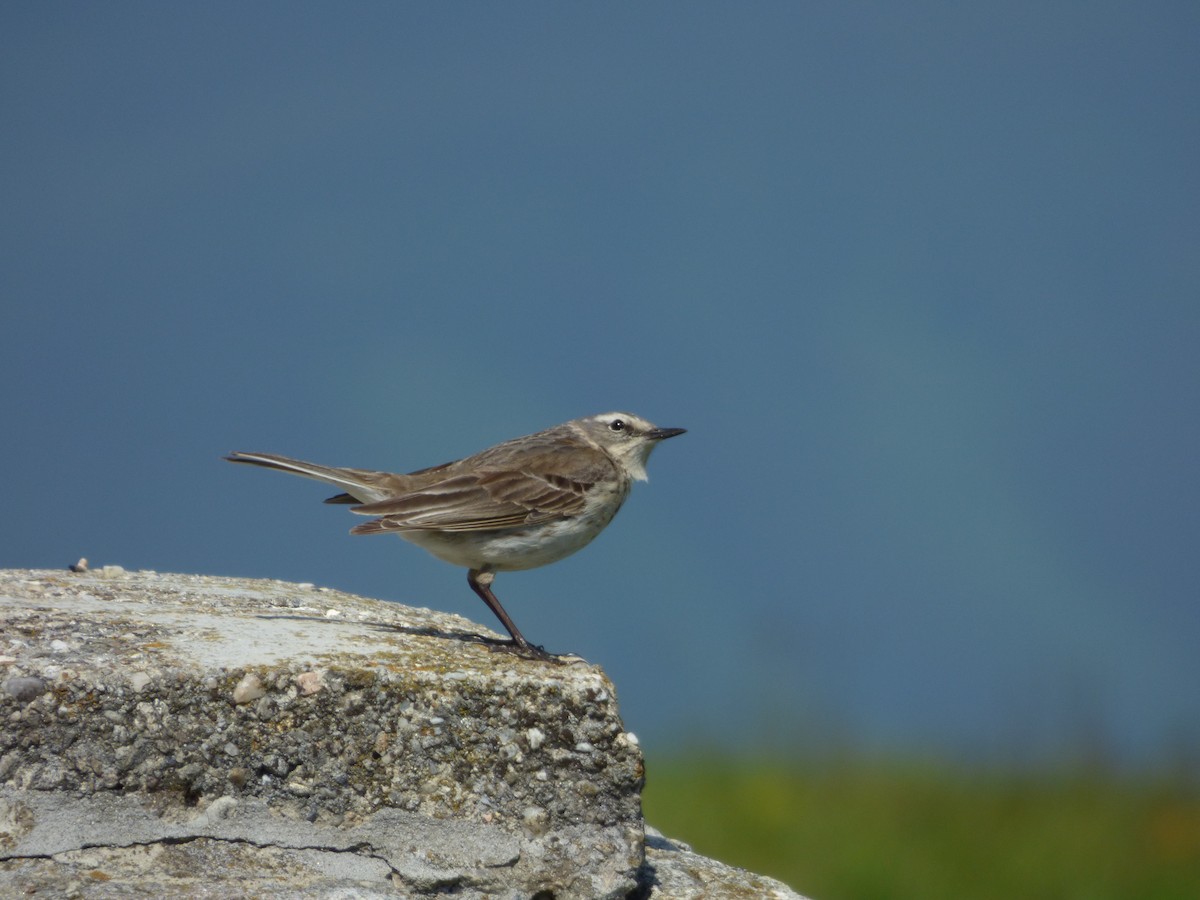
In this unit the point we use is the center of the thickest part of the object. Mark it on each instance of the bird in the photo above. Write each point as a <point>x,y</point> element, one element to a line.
<point>521,504</point>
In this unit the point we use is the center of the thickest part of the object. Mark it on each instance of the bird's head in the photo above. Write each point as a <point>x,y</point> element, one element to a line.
<point>627,438</point>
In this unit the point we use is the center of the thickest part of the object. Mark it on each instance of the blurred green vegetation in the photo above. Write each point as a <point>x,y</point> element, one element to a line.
<point>866,830</point>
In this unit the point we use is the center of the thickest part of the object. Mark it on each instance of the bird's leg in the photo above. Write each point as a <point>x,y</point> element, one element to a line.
<point>481,584</point>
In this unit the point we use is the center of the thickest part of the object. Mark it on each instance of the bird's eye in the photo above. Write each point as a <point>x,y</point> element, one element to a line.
<point>617,425</point>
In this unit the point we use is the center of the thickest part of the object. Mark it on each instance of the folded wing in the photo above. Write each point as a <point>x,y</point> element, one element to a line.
<point>489,499</point>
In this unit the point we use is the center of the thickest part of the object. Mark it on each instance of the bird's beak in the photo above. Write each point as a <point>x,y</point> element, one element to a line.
<point>661,434</point>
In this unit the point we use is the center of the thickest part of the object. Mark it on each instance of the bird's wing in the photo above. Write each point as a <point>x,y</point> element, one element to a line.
<point>490,498</point>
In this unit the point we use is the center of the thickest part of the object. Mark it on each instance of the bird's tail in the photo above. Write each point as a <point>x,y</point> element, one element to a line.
<point>360,485</point>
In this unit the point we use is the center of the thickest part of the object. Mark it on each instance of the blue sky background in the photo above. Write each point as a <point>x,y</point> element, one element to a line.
<point>922,280</point>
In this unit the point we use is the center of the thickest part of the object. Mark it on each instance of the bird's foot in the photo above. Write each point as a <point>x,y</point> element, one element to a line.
<point>529,651</point>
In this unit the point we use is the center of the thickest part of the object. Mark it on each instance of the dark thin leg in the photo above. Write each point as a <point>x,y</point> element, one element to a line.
<point>481,584</point>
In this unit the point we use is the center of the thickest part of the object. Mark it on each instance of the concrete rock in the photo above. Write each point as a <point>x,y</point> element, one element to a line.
<point>203,736</point>
<point>672,871</point>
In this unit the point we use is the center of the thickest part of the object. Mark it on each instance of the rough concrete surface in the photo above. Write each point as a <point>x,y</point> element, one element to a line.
<point>181,735</point>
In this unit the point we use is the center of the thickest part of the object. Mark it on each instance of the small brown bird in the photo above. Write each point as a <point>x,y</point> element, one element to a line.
<point>518,505</point>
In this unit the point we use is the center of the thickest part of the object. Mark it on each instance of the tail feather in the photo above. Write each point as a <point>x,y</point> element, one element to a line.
<point>358,484</point>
